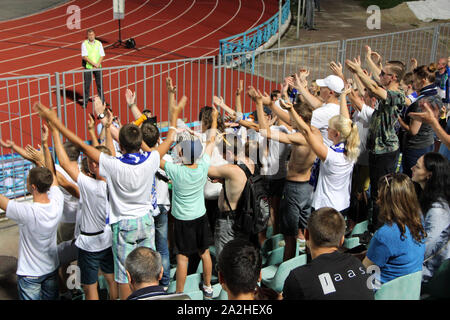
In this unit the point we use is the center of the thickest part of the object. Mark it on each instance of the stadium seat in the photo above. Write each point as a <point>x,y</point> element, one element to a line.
<point>269,232</point>
<point>214,278</point>
<point>274,257</point>
<point>195,295</point>
<point>274,277</point>
<point>272,243</point>
<point>223,295</point>
<point>192,283</point>
<point>360,228</point>
<point>351,243</point>
<point>438,287</point>
<point>402,288</point>
<point>217,288</point>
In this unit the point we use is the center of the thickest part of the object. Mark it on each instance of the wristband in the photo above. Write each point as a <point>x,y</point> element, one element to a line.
<point>173,128</point>
<point>141,119</point>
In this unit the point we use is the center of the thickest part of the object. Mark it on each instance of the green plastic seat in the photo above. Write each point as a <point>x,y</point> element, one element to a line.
<point>271,243</point>
<point>199,270</point>
<point>269,231</point>
<point>438,287</point>
<point>274,276</point>
<point>360,228</point>
<point>195,295</point>
<point>217,288</point>
<point>274,257</point>
<point>402,288</point>
<point>223,295</point>
<point>351,243</point>
<point>192,283</point>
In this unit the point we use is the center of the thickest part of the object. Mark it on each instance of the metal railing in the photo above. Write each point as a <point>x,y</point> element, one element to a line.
<point>197,78</point>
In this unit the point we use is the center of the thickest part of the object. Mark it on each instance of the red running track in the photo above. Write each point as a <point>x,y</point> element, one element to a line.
<point>164,30</point>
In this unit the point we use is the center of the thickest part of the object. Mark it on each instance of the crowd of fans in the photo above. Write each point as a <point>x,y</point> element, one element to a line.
<point>331,152</point>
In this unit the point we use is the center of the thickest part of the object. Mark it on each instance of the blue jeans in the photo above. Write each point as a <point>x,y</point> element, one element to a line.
<point>410,157</point>
<point>38,288</point>
<point>161,243</point>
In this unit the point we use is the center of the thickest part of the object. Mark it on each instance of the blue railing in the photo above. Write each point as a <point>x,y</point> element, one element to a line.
<point>254,38</point>
<point>13,173</point>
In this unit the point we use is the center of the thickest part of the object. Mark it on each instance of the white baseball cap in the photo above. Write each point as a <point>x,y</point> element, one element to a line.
<point>333,83</point>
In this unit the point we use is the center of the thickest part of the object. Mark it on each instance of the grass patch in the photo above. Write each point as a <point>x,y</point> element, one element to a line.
<point>383,4</point>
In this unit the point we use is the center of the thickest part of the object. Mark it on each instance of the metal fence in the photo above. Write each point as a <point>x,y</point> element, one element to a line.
<point>20,124</point>
<point>197,78</point>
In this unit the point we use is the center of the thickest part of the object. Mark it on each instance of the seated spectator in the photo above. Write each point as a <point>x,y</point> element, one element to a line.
<point>144,271</point>
<point>398,246</point>
<point>432,173</point>
<point>239,269</point>
<point>331,275</point>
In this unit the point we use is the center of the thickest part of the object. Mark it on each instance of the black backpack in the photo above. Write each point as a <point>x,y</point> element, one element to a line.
<point>252,210</point>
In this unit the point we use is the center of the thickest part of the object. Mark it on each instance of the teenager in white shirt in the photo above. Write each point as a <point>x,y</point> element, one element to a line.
<point>93,235</point>
<point>129,179</point>
<point>37,269</point>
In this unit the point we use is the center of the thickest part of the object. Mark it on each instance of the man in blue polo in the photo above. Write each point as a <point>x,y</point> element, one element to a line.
<point>92,53</point>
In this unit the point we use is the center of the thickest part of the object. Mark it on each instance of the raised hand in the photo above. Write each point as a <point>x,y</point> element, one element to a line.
<point>6,144</point>
<point>35,155</point>
<point>286,104</point>
<point>91,122</point>
<point>414,63</point>
<point>336,68</point>
<point>45,112</point>
<point>169,85</point>
<point>240,88</point>
<point>44,132</point>
<point>218,101</point>
<point>130,96</point>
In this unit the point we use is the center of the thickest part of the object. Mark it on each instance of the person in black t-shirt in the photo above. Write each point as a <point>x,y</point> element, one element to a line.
<point>331,275</point>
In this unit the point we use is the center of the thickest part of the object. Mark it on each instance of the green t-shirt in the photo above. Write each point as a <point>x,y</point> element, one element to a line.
<point>188,201</point>
<point>382,136</point>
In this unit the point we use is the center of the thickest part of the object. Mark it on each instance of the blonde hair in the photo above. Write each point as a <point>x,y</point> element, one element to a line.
<point>349,134</point>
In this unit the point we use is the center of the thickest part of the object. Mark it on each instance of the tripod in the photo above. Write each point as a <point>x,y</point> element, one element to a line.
<point>119,43</point>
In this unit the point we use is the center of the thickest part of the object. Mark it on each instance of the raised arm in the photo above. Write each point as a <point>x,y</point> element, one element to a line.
<point>91,130</point>
<point>299,82</point>
<point>171,91</point>
<point>70,187</point>
<point>337,69</point>
<point>314,140</point>
<point>355,67</point>
<point>210,144</point>
<point>70,167</point>
<point>428,116</point>
<point>343,101</point>
<point>174,112</point>
<point>130,96</point>
<point>109,143</point>
<point>50,115</point>
<point>238,101</point>
<point>371,65</point>
<point>21,151</point>
<point>48,160</point>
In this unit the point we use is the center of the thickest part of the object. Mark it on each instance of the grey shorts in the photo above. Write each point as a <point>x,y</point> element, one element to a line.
<point>295,207</point>
<point>224,230</point>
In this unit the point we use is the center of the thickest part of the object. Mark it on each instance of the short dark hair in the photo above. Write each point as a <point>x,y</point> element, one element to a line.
<point>240,265</point>
<point>42,178</point>
<point>274,94</point>
<point>72,151</point>
<point>398,68</point>
<point>130,137</point>
<point>304,110</point>
<point>90,30</point>
<point>205,116</point>
<point>408,78</point>
<point>150,134</point>
<point>144,265</point>
<point>326,226</point>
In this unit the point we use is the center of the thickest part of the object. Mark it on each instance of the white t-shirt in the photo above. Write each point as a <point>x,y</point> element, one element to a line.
<point>320,118</point>
<point>94,208</point>
<point>334,183</point>
<point>70,202</point>
<point>38,224</point>
<point>162,188</point>
<point>362,120</point>
<point>129,186</point>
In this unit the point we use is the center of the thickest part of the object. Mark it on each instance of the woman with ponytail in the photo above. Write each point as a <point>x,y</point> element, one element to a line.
<point>418,137</point>
<point>336,166</point>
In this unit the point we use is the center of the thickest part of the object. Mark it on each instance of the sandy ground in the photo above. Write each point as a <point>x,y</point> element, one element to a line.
<point>338,19</point>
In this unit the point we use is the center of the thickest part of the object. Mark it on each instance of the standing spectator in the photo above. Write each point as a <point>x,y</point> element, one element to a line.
<point>443,79</point>
<point>382,141</point>
<point>398,246</point>
<point>432,173</point>
<point>93,54</point>
<point>37,270</point>
<point>191,229</point>
<point>129,179</point>
<point>331,275</point>
<point>418,136</point>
